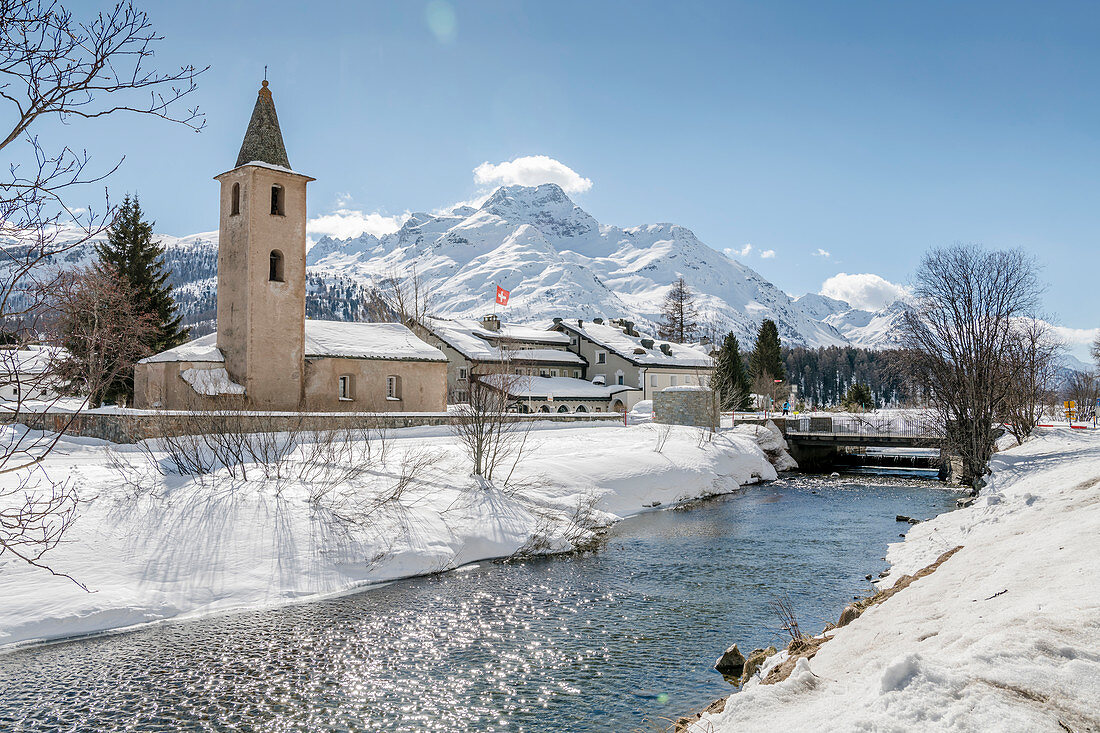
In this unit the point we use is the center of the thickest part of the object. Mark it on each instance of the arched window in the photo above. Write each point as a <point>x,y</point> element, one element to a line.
<point>235,205</point>
<point>582,408</point>
<point>544,408</point>
<point>275,266</point>
<point>563,408</point>
<point>277,200</point>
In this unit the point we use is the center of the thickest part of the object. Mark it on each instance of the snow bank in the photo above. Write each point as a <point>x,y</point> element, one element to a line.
<point>1004,635</point>
<point>160,547</point>
<point>211,381</point>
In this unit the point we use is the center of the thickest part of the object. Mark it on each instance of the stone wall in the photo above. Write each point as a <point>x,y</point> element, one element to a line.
<point>132,426</point>
<point>686,406</point>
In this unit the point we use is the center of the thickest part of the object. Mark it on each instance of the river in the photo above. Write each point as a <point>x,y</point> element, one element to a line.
<point>620,638</point>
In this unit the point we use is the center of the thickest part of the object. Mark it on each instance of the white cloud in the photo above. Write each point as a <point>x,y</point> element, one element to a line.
<point>732,253</point>
<point>822,253</point>
<point>767,254</point>
<point>531,170</point>
<point>345,223</point>
<point>865,291</point>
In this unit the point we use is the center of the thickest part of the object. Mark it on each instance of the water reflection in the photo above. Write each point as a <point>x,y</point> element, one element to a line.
<point>600,641</point>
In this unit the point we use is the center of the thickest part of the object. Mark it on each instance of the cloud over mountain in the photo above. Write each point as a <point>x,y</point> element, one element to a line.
<point>531,170</point>
<point>865,291</point>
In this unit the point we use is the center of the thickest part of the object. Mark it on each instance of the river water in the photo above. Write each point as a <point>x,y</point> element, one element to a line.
<point>618,639</point>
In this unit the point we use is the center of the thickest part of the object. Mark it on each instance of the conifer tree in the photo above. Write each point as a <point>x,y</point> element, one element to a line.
<point>766,361</point>
<point>131,254</point>
<point>859,396</point>
<point>731,379</point>
<point>678,314</point>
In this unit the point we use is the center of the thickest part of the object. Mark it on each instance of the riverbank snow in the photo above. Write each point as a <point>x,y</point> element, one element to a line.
<point>1004,635</point>
<point>154,547</point>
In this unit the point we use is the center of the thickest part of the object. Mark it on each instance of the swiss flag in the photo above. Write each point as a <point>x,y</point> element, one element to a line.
<point>502,296</point>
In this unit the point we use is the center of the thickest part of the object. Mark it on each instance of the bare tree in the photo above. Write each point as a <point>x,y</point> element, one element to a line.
<point>406,297</point>
<point>487,427</point>
<point>98,321</point>
<point>958,333</point>
<point>54,66</point>
<point>1083,389</point>
<point>1031,368</point>
<point>678,314</point>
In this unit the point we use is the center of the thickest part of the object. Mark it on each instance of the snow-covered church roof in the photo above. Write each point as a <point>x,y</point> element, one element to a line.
<point>335,339</point>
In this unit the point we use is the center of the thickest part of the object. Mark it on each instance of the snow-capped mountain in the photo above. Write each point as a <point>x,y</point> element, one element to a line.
<point>556,260</point>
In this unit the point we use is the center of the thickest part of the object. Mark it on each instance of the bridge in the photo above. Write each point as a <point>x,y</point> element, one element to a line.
<point>817,441</point>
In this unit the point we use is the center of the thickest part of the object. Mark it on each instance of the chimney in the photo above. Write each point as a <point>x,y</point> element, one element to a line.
<point>647,343</point>
<point>666,349</point>
<point>598,321</point>
<point>490,323</point>
<point>557,321</point>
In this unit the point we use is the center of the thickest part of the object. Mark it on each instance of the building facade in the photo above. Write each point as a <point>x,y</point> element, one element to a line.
<point>619,355</point>
<point>265,355</point>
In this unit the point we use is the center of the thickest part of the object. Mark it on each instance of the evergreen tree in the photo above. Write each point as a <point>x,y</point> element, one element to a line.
<point>678,314</point>
<point>131,254</point>
<point>859,396</point>
<point>731,379</point>
<point>766,361</point>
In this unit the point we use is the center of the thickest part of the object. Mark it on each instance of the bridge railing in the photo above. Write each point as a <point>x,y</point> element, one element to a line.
<point>891,425</point>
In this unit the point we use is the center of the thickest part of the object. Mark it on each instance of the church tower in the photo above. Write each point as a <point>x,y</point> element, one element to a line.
<point>262,266</point>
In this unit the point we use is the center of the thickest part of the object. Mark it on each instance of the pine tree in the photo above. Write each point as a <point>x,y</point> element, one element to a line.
<point>859,396</point>
<point>766,361</point>
<point>678,314</point>
<point>731,379</point>
<point>130,253</point>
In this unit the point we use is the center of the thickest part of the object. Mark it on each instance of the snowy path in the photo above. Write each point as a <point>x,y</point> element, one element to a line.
<point>179,548</point>
<point>1004,636</point>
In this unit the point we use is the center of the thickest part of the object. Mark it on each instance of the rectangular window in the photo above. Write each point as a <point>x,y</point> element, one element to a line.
<point>553,372</point>
<point>344,387</point>
<point>573,341</point>
<point>622,379</point>
<point>652,380</point>
<point>462,396</point>
<point>576,374</point>
<point>393,387</point>
<point>672,381</point>
<point>542,372</point>
<point>601,357</point>
<point>519,371</point>
<point>462,372</point>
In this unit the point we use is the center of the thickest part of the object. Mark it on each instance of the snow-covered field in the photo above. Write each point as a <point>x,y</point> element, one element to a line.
<point>1003,636</point>
<point>154,547</point>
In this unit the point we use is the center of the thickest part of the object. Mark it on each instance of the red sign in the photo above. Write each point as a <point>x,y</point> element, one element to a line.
<point>502,296</point>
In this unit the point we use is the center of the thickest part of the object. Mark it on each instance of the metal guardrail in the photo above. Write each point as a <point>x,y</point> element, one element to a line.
<point>872,426</point>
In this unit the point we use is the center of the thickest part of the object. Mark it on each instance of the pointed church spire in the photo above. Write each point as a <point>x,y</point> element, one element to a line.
<point>263,141</point>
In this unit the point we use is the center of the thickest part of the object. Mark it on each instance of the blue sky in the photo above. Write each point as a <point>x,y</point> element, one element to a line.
<point>870,131</point>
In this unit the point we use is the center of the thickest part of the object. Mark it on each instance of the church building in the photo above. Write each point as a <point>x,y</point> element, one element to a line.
<point>265,354</point>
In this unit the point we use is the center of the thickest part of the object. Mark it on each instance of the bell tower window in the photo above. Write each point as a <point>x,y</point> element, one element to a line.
<point>277,197</point>
<point>235,204</point>
<point>275,267</point>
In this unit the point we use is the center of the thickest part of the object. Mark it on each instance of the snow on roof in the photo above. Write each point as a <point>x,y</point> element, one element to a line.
<point>211,382</point>
<point>203,349</point>
<point>554,356</point>
<point>470,338</point>
<point>326,338</point>
<point>558,387</point>
<point>630,348</point>
<point>28,360</point>
<point>390,341</point>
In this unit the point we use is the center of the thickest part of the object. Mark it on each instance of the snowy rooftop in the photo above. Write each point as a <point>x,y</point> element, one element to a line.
<point>558,387</point>
<point>630,348</point>
<point>326,338</point>
<point>477,343</point>
<point>367,341</point>
<point>203,349</point>
<point>28,360</point>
